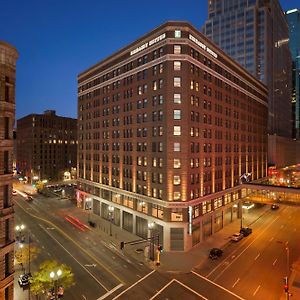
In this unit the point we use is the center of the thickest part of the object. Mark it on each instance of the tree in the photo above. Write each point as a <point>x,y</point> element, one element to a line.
<point>22,254</point>
<point>41,282</point>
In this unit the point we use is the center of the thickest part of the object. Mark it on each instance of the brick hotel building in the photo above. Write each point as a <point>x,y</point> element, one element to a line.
<point>8,58</point>
<point>167,125</point>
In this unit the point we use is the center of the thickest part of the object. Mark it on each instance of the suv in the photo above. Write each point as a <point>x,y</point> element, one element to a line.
<point>214,253</point>
<point>246,231</point>
<point>237,237</point>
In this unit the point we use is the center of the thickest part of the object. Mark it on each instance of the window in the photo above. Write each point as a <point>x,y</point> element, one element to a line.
<point>177,114</point>
<point>176,180</point>
<point>177,49</point>
<point>177,130</point>
<point>177,81</point>
<point>177,98</point>
<point>176,196</point>
<point>176,147</point>
<point>154,85</point>
<point>177,34</point>
<point>177,65</point>
<point>177,163</point>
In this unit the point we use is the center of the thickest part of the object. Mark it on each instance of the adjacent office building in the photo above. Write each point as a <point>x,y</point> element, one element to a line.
<point>293,18</point>
<point>46,146</point>
<point>255,34</point>
<point>167,125</point>
<point>8,58</point>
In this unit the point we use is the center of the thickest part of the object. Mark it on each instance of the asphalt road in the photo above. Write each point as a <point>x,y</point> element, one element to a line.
<point>97,265</point>
<point>250,269</point>
<point>254,267</point>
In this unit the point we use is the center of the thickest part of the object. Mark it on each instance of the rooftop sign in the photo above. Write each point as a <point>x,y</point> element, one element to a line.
<point>150,43</point>
<point>203,46</point>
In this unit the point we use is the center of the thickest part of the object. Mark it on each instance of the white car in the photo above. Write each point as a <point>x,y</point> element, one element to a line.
<point>14,192</point>
<point>237,237</point>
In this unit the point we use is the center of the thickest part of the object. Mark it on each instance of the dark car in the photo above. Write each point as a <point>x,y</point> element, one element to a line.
<point>214,253</point>
<point>246,231</point>
<point>274,206</point>
<point>24,279</point>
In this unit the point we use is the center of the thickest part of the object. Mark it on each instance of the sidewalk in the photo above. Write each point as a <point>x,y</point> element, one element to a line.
<point>177,262</point>
<point>172,261</point>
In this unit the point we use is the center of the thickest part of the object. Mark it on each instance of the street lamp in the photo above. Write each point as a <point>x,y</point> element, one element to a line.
<point>287,292</point>
<point>110,216</point>
<point>19,229</point>
<point>151,252</point>
<point>55,276</point>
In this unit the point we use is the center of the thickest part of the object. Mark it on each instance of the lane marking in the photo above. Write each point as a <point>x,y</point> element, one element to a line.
<point>187,287</point>
<point>235,259</point>
<point>100,283</point>
<point>236,282</point>
<point>134,284</point>
<point>271,239</point>
<point>219,286</point>
<point>256,290</point>
<point>258,255</point>
<point>73,241</point>
<point>110,292</point>
<point>274,262</point>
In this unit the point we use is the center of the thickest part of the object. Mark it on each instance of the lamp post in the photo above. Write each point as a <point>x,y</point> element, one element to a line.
<point>19,229</point>
<point>110,216</point>
<point>21,247</point>
<point>151,252</point>
<point>287,292</point>
<point>55,276</point>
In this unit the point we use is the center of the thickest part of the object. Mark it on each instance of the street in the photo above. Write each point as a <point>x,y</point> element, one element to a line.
<point>251,268</point>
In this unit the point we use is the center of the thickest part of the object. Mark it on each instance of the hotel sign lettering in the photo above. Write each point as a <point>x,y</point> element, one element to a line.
<point>203,46</point>
<point>148,44</point>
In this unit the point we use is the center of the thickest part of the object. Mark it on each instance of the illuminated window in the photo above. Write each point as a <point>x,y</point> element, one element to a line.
<point>176,180</point>
<point>177,34</point>
<point>177,163</point>
<point>176,196</point>
<point>177,81</point>
<point>177,130</point>
<point>176,147</point>
<point>154,85</point>
<point>177,65</point>
<point>176,215</point>
<point>177,114</point>
<point>177,49</point>
<point>177,98</point>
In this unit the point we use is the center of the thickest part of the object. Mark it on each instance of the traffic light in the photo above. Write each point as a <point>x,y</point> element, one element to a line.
<point>286,285</point>
<point>122,245</point>
<point>160,248</point>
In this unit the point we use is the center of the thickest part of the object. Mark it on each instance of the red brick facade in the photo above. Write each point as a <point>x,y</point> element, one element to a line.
<point>8,57</point>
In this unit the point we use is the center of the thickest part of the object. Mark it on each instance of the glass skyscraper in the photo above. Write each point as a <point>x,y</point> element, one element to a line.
<point>293,18</point>
<point>255,34</point>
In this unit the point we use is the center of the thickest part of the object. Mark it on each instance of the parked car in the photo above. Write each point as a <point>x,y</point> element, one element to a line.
<point>14,192</point>
<point>215,253</point>
<point>237,237</point>
<point>274,206</point>
<point>246,231</point>
<point>24,279</point>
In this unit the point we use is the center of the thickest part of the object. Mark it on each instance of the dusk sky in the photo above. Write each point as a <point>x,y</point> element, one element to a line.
<point>57,39</point>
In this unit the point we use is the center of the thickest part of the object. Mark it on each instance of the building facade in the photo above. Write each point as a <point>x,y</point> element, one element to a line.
<point>8,58</point>
<point>46,146</point>
<point>293,18</point>
<point>167,126</point>
<point>248,30</point>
